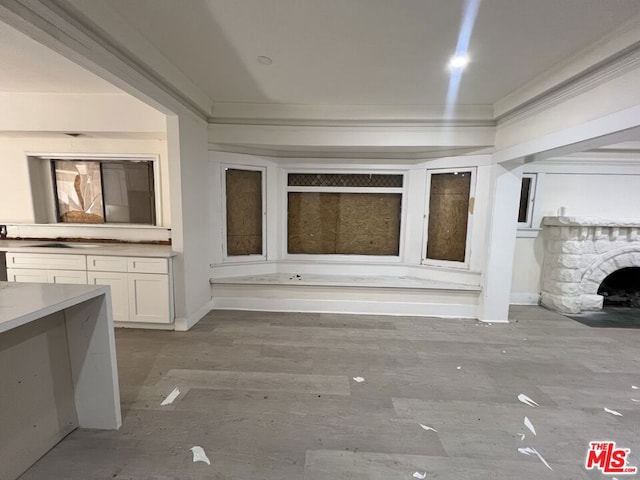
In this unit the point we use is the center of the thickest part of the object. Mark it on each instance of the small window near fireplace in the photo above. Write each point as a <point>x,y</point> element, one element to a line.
<point>527,197</point>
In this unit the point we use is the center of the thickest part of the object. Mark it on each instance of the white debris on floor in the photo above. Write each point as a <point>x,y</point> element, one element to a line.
<point>358,379</point>
<point>526,400</point>
<point>199,455</point>
<point>529,425</point>
<point>419,475</point>
<point>612,412</point>
<point>171,397</point>
<point>426,427</point>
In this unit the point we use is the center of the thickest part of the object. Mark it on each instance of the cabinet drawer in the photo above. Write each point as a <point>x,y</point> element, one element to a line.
<point>29,276</point>
<point>67,276</point>
<point>147,265</point>
<point>46,260</point>
<point>106,264</point>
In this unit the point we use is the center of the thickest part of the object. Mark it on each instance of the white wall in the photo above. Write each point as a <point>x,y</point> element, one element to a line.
<point>192,217</point>
<point>592,195</point>
<point>603,188</point>
<point>16,204</point>
<point>60,112</point>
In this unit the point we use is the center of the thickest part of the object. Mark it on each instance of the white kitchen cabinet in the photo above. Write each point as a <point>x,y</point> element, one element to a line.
<point>147,265</point>
<point>27,275</point>
<point>119,292</point>
<point>148,298</point>
<point>141,287</point>
<point>46,268</point>
<point>101,263</point>
<point>144,286</point>
<point>67,276</point>
<point>46,261</point>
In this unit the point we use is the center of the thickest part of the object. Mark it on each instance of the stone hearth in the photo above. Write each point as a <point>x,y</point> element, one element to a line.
<point>580,252</point>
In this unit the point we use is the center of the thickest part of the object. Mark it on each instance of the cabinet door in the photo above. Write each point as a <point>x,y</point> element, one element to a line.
<point>24,275</point>
<point>149,298</point>
<point>67,276</point>
<point>119,292</point>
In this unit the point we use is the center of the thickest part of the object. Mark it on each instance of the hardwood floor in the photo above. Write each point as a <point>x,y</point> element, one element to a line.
<point>272,396</point>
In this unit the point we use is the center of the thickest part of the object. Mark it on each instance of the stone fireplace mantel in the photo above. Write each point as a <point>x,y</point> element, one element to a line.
<point>580,252</point>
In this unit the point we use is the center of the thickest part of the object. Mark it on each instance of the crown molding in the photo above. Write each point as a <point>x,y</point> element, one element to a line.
<point>378,155</point>
<point>60,26</point>
<point>230,113</point>
<point>596,157</point>
<point>599,74</point>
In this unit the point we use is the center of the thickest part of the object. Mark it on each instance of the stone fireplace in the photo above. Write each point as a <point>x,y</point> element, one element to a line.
<point>580,252</point>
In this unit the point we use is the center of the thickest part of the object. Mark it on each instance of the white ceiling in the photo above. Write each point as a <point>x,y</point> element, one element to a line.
<point>28,66</point>
<point>366,52</point>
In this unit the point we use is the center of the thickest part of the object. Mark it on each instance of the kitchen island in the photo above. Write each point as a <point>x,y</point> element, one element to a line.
<point>57,368</point>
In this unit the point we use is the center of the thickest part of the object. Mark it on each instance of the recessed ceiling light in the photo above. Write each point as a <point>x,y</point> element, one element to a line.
<point>458,62</point>
<point>264,60</point>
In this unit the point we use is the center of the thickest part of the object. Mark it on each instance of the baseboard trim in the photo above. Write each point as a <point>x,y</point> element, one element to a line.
<point>185,324</point>
<point>143,325</point>
<point>346,306</point>
<point>524,299</point>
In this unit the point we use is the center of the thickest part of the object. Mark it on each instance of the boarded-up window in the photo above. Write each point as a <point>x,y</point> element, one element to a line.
<point>448,216</point>
<point>244,212</point>
<point>344,223</point>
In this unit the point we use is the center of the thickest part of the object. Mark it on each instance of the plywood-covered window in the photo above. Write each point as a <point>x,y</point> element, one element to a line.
<point>344,214</point>
<point>448,215</point>
<point>244,211</point>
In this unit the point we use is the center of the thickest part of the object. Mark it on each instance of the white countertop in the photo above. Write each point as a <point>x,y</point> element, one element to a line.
<point>21,303</point>
<point>88,248</point>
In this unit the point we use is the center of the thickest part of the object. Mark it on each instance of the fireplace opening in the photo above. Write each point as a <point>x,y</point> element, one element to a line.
<point>622,288</point>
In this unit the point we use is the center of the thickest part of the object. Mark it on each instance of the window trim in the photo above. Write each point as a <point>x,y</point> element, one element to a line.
<point>328,258</point>
<point>223,177</point>
<point>472,195</point>
<point>531,201</point>
<point>53,208</point>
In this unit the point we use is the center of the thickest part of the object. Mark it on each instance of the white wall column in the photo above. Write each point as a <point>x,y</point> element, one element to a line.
<point>191,217</point>
<point>496,281</point>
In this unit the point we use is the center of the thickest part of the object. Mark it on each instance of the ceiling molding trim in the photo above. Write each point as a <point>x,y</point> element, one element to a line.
<point>295,122</point>
<point>311,153</point>
<point>598,74</point>
<point>278,114</point>
<point>55,24</point>
<point>596,158</point>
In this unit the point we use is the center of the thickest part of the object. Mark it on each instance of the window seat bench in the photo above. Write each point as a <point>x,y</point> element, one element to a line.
<point>362,294</point>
